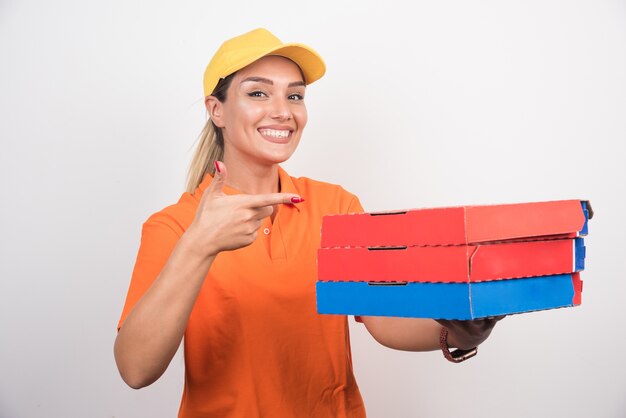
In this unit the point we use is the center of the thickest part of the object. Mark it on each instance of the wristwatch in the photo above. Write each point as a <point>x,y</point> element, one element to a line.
<point>458,355</point>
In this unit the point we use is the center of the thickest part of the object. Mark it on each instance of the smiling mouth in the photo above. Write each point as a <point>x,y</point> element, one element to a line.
<point>276,135</point>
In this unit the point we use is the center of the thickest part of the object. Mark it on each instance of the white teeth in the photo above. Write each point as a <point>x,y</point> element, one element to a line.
<point>274,133</point>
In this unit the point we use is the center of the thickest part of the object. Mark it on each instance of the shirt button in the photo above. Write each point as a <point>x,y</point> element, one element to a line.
<point>266,231</point>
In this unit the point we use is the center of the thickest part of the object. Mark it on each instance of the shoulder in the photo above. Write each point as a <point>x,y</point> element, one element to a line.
<point>334,197</point>
<point>176,217</point>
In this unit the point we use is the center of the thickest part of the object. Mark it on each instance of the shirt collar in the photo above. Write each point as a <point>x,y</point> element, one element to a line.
<point>286,186</point>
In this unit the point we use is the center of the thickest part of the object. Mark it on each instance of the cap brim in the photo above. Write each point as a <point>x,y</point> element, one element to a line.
<point>309,61</point>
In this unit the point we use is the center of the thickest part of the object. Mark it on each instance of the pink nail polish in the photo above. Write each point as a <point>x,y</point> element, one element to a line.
<point>217,167</point>
<point>297,200</point>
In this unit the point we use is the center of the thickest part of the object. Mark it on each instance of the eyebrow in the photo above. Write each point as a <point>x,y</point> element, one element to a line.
<point>271,83</point>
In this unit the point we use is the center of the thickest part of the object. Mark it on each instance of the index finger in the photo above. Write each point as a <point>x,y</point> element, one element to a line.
<point>270,199</point>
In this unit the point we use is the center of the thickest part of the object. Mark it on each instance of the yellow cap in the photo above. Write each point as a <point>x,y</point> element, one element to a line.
<point>236,53</point>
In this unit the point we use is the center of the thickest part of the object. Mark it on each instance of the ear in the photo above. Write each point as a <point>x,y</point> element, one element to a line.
<point>215,108</point>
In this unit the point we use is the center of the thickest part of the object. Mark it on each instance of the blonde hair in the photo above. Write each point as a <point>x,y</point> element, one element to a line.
<point>210,143</point>
<point>210,149</point>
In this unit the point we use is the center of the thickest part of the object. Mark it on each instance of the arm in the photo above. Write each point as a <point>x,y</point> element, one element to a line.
<point>407,334</point>
<point>153,330</point>
<point>417,334</point>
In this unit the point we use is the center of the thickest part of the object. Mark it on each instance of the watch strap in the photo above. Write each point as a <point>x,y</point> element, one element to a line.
<point>458,355</point>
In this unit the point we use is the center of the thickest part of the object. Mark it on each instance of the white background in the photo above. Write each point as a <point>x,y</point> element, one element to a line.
<point>442,103</point>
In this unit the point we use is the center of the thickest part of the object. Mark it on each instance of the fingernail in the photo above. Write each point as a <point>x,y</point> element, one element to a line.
<point>217,167</point>
<point>297,200</point>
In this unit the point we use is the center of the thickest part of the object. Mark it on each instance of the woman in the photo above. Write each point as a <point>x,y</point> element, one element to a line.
<point>231,266</point>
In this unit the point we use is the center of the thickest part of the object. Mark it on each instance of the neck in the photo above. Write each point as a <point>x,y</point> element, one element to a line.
<point>251,178</point>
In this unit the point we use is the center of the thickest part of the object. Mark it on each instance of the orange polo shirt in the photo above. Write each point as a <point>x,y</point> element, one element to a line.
<point>255,345</point>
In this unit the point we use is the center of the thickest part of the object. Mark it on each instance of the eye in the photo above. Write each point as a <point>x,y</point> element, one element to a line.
<point>296,97</point>
<point>257,93</point>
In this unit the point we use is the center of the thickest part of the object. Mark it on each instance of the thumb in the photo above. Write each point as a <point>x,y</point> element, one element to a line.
<point>219,179</point>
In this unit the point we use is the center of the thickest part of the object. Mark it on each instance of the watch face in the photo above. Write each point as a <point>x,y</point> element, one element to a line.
<point>462,355</point>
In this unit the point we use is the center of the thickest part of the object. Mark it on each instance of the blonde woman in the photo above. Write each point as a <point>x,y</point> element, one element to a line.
<point>231,266</point>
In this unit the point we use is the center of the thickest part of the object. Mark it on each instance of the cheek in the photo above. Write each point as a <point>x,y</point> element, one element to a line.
<point>249,112</point>
<point>301,117</point>
<point>239,115</point>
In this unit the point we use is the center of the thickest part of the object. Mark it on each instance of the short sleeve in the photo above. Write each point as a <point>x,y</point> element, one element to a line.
<point>158,239</point>
<point>355,206</point>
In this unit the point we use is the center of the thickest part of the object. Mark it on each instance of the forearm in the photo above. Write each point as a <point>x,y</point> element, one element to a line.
<point>408,334</point>
<point>153,330</point>
<point>415,334</point>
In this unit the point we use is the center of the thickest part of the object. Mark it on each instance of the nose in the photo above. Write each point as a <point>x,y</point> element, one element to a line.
<point>281,110</point>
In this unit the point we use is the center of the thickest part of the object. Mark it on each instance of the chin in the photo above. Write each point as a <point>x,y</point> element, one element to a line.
<point>278,157</point>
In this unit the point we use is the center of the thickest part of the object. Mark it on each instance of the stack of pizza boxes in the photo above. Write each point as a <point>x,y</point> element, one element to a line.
<point>453,263</point>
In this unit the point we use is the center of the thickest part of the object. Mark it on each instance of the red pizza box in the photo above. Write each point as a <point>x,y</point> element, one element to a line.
<point>463,225</point>
<point>460,263</point>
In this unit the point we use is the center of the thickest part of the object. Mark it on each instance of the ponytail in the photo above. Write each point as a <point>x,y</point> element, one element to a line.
<point>210,149</point>
<point>210,143</point>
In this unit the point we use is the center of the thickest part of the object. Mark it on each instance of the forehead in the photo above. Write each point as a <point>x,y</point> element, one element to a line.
<point>272,67</point>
